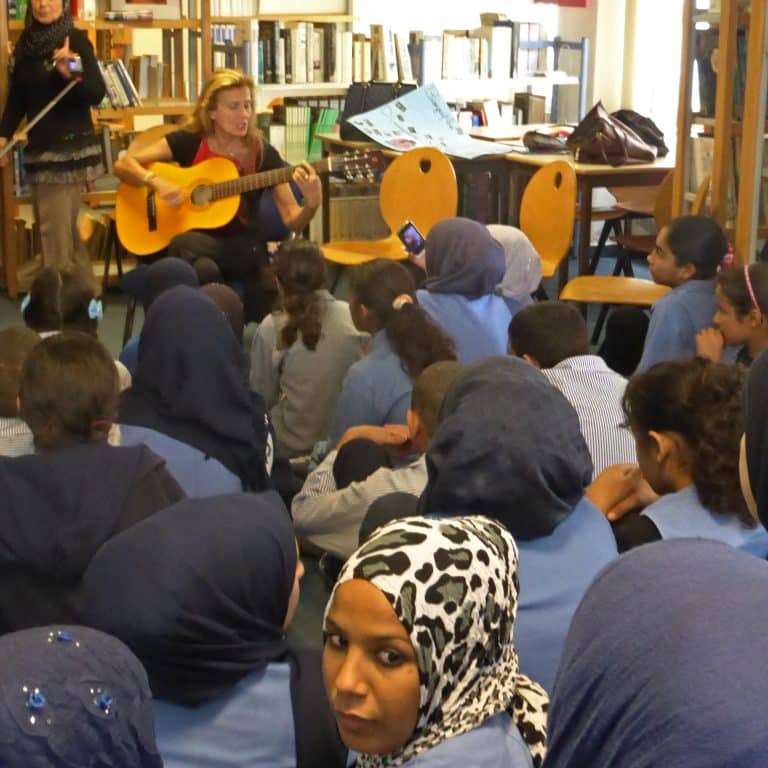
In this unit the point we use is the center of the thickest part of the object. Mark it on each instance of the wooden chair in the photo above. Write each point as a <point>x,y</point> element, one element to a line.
<point>547,216</point>
<point>418,186</point>
<point>616,289</point>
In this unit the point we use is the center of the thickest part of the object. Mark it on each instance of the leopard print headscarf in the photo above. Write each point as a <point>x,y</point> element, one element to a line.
<point>453,585</point>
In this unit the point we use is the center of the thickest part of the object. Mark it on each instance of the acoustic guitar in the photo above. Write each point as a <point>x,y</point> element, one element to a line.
<point>145,224</point>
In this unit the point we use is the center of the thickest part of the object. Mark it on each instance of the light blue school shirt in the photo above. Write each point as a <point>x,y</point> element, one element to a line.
<point>478,327</point>
<point>676,318</point>
<point>197,474</point>
<point>376,391</point>
<point>249,726</point>
<point>554,573</point>
<point>495,743</point>
<point>129,356</point>
<point>681,515</point>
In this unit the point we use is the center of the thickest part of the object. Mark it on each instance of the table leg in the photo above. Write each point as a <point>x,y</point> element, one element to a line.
<point>585,224</point>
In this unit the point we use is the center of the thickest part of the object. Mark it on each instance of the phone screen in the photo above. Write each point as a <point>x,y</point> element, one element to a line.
<point>411,238</point>
<point>75,65</point>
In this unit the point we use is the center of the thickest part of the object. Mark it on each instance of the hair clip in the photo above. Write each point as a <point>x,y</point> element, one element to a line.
<point>25,302</point>
<point>400,301</point>
<point>96,309</point>
<point>104,702</point>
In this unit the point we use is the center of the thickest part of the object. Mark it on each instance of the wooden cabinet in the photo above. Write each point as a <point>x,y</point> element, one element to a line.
<point>725,69</point>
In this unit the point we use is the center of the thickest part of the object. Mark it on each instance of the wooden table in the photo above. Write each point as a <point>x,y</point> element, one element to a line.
<point>588,178</point>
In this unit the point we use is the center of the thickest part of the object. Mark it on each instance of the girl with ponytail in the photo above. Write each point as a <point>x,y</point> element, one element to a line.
<point>301,353</point>
<point>404,341</point>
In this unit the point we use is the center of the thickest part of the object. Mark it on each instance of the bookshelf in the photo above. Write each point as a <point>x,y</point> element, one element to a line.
<point>726,139</point>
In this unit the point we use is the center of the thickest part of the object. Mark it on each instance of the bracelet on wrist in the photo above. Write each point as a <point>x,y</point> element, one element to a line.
<point>147,178</point>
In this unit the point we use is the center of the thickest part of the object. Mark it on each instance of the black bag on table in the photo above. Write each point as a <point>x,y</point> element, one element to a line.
<point>645,128</point>
<point>362,97</point>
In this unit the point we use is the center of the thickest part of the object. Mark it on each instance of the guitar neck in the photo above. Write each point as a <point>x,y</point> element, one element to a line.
<point>261,180</point>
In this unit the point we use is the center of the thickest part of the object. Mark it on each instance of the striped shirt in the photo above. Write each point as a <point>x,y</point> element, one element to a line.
<point>595,392</point>
<point>15,437</point>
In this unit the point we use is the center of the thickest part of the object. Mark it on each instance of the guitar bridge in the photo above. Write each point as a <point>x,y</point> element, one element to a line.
<point>151,212</point>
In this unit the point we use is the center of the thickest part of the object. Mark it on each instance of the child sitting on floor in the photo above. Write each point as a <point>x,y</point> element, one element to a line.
<point>742,301</point>
<point>15,344</point>
<point>686,418</point>
<point>687,254</point>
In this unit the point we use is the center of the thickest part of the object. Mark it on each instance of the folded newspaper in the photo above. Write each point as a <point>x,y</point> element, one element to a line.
<point>421,118</point>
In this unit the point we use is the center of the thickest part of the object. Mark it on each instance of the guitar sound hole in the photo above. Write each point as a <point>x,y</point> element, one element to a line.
<point>201,195</point>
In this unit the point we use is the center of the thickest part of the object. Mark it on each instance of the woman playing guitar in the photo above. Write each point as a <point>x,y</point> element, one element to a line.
<point>223,125</point>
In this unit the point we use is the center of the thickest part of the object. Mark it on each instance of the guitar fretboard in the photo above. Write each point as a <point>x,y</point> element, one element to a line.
<point>262,180</point>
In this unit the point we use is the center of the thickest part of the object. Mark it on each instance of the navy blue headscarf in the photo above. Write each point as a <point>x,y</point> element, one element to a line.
<point>198,591</point>
<point>664,664</point>
<point>190,384</point>
<point>508,446</point>
<point>462,257</point>
<point>72,696</point>
<point>756,421</point>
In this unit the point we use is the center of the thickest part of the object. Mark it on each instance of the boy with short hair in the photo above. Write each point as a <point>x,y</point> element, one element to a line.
<point>552,336</point>
<point>686,257</point>
<point>15,344</point>
<point>329,515</point>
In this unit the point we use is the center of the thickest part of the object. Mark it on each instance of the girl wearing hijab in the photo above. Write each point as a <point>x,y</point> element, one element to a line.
<point>146,284</point>
<point>419,660</point>
<point>63,150</point>
<point>522,275</point>
<point>73,696</point>
<point>526,465</point>
<point>686,418</point>
<point>301,353</point>
<point>404,341</point>
<point>190,387</point>
<point>464,266</point>
<point>62,503</point>
<point>753,453</point>
<point>675,676</point>
<point>206,613</point>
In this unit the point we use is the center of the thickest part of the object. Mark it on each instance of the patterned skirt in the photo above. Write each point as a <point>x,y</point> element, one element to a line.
<point>75,158</point>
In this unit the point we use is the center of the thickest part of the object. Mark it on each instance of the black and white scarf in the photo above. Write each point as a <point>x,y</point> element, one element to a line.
<point>472,562</point>
<point>41,40</point>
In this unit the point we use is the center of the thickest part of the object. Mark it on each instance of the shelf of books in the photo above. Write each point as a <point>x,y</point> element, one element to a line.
<point>722,120</point>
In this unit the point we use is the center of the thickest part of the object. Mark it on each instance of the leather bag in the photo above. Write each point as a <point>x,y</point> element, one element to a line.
<point>602,139</point>
<point>363,97</point>
<point>645,128</point>
<point>536,141</point>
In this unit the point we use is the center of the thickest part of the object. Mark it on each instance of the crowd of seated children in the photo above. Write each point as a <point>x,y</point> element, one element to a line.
<point>15,344</point>
<point>404,341</point>
<point>465,265</point>
<point>553,336</point>
<point>71,696</point>
<point>686,257</point>
<point>300,354</point>
<point>331,506</point>
<point>146,284</point>
<point>526,465</point>
<point>206,613</point>
<point>522,272</point>
<point>686,419</point>
<point>742,300</point>
<point>190,400</point>
<point>63,502</point>
<point>419,657</point>
<point>66,301</point>
<point>674,675</point>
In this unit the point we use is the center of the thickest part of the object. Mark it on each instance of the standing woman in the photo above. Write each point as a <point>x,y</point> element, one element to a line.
<point>63,150</point>
<point>223,125</point>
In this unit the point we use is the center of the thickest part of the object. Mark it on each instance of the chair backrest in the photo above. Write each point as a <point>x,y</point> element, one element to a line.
<point>419,186</point>
<point>149,136</point>
<point>548,210</point>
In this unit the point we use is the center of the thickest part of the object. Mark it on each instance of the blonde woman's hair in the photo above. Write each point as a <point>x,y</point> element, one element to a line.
<point>221,80</point>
